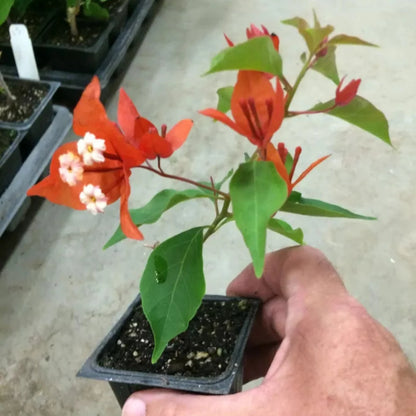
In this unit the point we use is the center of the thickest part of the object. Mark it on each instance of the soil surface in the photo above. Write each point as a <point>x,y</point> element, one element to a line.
<point>27,95</point>
<point>6,139</point>
<point>33,21</point>
<point>59,34</point>
<point>204,350</point>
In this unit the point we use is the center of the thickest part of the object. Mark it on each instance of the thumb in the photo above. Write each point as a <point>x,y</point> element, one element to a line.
<point>158,402</point>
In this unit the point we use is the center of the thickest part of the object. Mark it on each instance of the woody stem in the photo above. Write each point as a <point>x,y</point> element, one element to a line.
<point>190,181</point>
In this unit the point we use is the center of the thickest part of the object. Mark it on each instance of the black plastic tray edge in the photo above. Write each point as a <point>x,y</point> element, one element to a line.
<point>215,385</point>
<point>25,125</point>
<point>13,197</point>
<point>11,161</point>
<point>20,134</point>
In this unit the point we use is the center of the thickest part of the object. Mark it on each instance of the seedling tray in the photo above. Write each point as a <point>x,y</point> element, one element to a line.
<point>114,65</point>
<point>11,201</point>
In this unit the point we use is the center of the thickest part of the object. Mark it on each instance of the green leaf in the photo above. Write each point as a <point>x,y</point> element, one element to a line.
<point>224,99</point>
<point>313,36</point>
<point>257,192</point>
<point>327,66</point>
<point>361,113</point>
<point>349,40</point>
<point>256,54</point>
<point>154,209</point>
<point>172,286</point>
<point>5,6</point>
<point>283,228</point>
<point>296,204</point>
<point>95,11</point>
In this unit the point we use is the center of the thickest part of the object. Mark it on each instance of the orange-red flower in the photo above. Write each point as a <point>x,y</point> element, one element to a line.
<point>257,108</point>
<point>345,95</point>
<point>93,172</point>
<point>142,134</point>
<point>253,31</point>
<point>278,157</point>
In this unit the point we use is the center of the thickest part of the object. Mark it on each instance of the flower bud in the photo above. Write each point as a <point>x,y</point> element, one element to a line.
<point>345,95</point>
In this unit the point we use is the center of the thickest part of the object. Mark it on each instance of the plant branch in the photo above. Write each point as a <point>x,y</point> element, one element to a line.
<point>217,211</point>
<point>190,181</point>
<point>299,113</point>
<point>220,217</point>
<point>298,81</point>
<point>5,88</point>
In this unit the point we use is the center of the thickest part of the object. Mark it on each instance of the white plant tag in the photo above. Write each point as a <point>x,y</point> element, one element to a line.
<point>23,52</point>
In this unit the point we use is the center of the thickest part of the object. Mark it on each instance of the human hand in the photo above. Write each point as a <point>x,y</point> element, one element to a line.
<point>318,349</point>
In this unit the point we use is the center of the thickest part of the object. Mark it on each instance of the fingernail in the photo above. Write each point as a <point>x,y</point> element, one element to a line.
<point>134,407</point>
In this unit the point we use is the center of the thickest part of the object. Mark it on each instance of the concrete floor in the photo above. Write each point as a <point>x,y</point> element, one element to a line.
<point>60,293</point>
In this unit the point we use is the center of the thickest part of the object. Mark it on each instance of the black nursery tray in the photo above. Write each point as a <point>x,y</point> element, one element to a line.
<point>114,65</point>
<point>11,159</point>
<point>11,201</point>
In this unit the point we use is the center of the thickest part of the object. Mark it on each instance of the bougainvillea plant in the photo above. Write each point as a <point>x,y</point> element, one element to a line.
<point>94,171</point>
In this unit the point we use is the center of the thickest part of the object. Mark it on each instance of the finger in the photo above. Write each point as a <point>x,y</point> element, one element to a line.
<point>270,322</point>
<point>286,272</point>
<point>159,402</point>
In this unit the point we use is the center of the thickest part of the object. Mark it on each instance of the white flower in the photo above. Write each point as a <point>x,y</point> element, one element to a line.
<point>70,168</point>
<point>91,149</point>
<point>93,197</point>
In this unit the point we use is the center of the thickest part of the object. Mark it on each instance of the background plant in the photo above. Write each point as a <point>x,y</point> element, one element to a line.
<point>93,172</point>
<point>89,8</point>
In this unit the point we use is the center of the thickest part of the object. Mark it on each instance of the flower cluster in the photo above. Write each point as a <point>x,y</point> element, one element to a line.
<point>95,170</point>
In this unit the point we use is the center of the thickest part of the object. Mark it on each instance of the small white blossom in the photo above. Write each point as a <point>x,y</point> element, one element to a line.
<point>91,149</point>
<point>93,197</point>
<point>70,168</point>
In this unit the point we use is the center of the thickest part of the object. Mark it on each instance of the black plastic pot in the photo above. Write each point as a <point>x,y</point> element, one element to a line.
<point>11,159</point>
<point>14,196</point>
<point>73,58</point>
<point>39,121</point>
<point>118,17</point>
<point>124,383</point>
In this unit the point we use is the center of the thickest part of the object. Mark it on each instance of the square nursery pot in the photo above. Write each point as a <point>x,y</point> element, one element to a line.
<point>35,21</point>
<point>55,50</point>
<point>31,112</point>
<point>10,156</point>
<point>219,355</point>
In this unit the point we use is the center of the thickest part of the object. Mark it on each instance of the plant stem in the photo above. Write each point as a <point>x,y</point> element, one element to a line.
<point>221,216</point>
<point>190,181</point>
<point>297,82</point>
<point>3,85</point>
<point>215,194</point>
<point>71,15</point>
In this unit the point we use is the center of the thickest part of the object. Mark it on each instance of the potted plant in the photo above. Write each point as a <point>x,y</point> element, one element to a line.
<point>94,172</point>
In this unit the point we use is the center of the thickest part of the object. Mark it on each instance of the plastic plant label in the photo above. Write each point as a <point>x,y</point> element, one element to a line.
<point>23,52</point>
